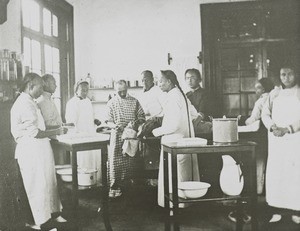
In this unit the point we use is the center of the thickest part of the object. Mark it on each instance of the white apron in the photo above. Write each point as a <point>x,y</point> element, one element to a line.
<point>85,123</point>
<point>283,166</point>
<point>187,165</point>
<point>187,169</point>
<point>35,158</point>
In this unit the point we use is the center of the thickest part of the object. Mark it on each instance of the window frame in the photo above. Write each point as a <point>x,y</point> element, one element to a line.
<point>64,42</point>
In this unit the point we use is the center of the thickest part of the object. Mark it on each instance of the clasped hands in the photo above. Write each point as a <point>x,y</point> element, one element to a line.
<point>279,131</point>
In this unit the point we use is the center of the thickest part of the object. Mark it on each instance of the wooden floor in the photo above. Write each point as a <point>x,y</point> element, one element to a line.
<point>137,210</point>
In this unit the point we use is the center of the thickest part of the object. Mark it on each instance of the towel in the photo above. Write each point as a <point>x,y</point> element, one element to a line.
<point>130,147</point>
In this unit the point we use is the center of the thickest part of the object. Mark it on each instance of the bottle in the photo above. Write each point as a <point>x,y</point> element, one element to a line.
<point>88,79</point>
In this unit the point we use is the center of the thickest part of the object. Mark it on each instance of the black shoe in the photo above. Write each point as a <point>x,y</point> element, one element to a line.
<point>233,217</point>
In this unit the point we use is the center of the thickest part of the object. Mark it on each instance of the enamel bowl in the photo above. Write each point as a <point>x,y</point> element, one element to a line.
<point>192,189</point>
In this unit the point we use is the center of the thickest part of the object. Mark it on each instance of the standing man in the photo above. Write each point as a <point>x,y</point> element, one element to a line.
<point>34,153</point>
<point>122,109</point>
<point>46,103</point>
<point>152,97</point>
<point>198,96</point>
<point>209,167</point>
<point>50,113</point>
<point>79,111</point>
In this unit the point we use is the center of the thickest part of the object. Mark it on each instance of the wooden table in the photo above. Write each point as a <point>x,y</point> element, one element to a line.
<point>75,145</point>
<point>239,149</point>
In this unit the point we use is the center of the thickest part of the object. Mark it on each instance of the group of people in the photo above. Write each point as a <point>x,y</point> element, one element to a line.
<point>34,118</point>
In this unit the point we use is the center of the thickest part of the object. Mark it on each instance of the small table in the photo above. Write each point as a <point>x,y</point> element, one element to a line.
<point>73,146</point>
<point>241,148</point>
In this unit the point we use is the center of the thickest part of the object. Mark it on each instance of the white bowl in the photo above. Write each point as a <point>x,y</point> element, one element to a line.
<point>192,189</point>
<point>86,177</point>
<point>65,174</point>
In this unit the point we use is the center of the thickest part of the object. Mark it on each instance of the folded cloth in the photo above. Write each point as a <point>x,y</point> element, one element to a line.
<point>129,133</point>
<point>130,147</point>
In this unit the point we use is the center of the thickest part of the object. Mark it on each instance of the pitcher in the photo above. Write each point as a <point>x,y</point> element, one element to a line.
<point>231,177</point>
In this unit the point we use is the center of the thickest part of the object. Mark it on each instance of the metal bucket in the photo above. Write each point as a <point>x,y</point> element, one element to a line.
<point>225,130</point>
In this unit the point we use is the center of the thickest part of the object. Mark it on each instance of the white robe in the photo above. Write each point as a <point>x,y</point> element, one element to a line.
<point>35,158</point>
<point>283,165</point>
<point>175,125</point>
<point>80,112</point>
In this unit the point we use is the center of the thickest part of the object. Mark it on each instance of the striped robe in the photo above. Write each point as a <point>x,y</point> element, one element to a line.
<point>121,112</point>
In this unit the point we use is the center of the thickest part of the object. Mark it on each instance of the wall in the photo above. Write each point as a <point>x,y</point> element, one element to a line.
<point>10,31</point>
<point>119,39</point>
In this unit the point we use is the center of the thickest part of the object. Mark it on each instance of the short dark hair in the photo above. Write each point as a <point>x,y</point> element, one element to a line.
<point>267,84</point>
<point>148,73</point>
<point>195,71</point>
<point>46,77</point>
<point>29,77</point>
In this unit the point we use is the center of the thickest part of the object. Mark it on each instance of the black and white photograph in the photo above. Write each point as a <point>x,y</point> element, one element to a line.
<point>150,115</point>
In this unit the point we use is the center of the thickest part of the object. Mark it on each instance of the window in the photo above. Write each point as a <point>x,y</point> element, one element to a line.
<point>45,35</point>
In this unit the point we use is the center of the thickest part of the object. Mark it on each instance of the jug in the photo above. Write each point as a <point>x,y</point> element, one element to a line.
<point>231,177</point>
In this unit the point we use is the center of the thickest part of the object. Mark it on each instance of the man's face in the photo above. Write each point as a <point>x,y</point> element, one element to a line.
<point>50,85</point>
<point>147,81</point>
<point>164,84</point>
<point>122,90</point>
<point>287,77</point>
<point>259,89</point>
<point>83,90</point>
<point>36,88</point>
<point>192,80</point>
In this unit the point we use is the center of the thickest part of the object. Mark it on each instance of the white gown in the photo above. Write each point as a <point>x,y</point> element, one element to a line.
<point>174,127</point>
<point>80,112</point>
<point>35,158</point>
<point>283,165</point>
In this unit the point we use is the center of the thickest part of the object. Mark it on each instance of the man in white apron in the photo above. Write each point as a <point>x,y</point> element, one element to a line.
<point>281,116</point>
<point>79,111</point>
<point>176,124</point>
<point>34,153</point>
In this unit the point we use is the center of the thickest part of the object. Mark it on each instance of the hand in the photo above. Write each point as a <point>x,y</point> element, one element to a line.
<point>279,131</point>
<point>62,130</point>
<point>273,127</point>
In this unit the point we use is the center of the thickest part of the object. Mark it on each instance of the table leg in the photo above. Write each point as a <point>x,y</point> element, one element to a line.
<point>239,221</point>
<point>75,201</point>
<point>175,191</point>
<point>253,191</point>
<point>105,189</point>
<point>166,191</point>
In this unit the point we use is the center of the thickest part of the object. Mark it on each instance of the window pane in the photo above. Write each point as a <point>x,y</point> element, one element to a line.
<point>48,59</point>
<point>36,55</point>
<point>55,59</point>
<point>26,12</point>
<point>47,22</point>
<point>54,25</point>
<point>27,52</point>
<point>34,16</point>
<point>57,79</point>
<point>231,105</point>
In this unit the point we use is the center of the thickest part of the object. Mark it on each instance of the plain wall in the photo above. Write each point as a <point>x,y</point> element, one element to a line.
<point>119,39</point>
<point>10,31</point>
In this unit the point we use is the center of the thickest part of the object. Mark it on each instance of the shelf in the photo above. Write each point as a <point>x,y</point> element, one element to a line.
<point>68,185</point>
<point>101,88</point>
<point>98,101</point>
<point>209,198</point>
<point>110,88</point>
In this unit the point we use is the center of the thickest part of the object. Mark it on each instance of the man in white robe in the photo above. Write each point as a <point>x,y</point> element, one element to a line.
<point>79,111</point>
